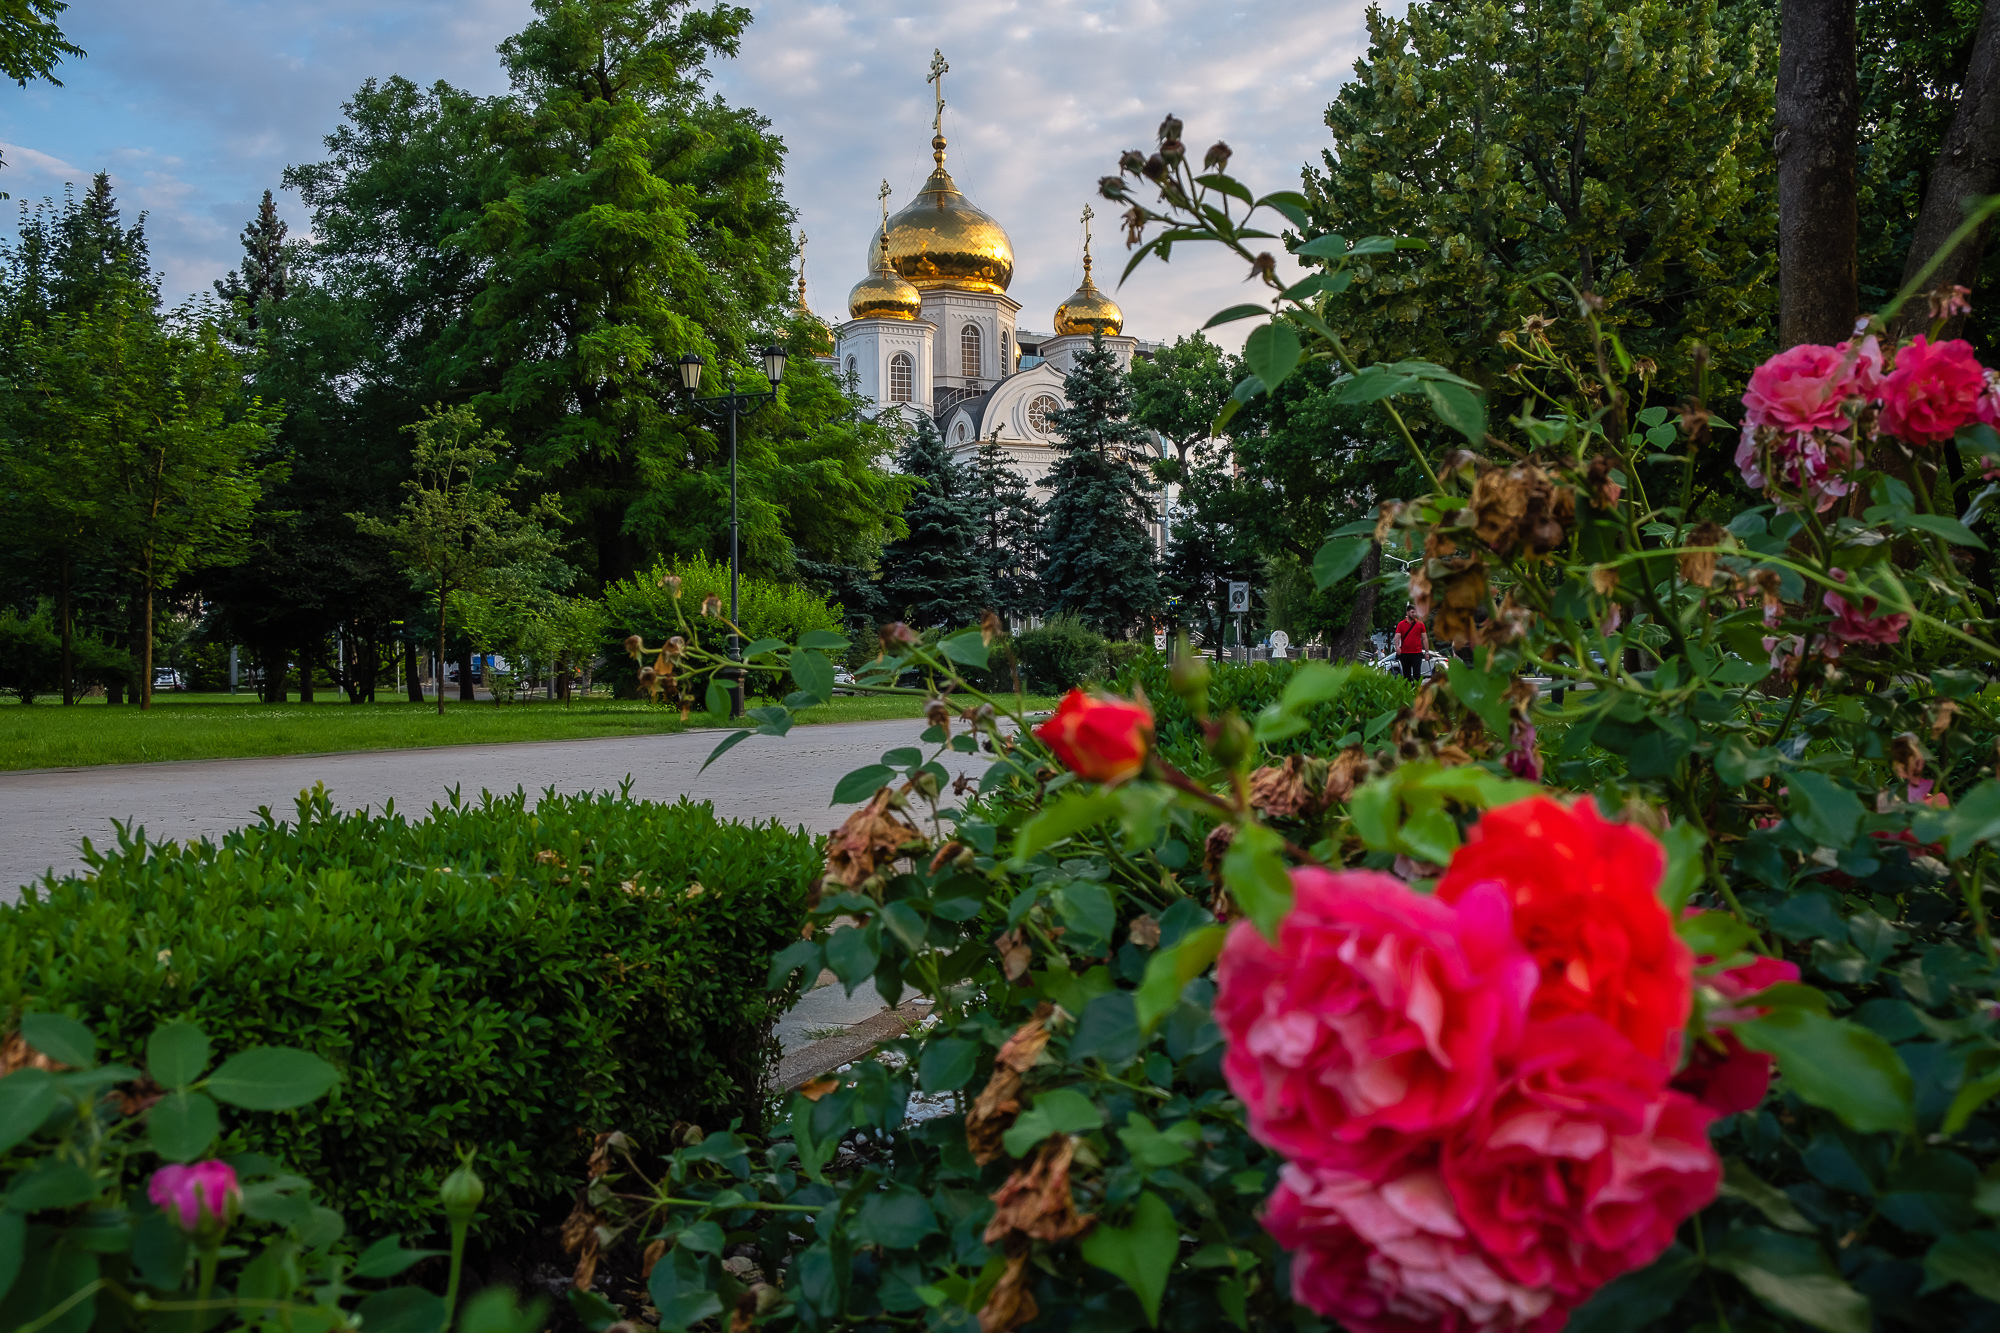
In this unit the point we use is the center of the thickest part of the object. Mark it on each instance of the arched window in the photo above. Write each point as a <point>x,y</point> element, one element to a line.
<point>968,351</point>
<point>852,366</point>
<point>961,432</point>
<point>1039,414</point>
<point>902,378</point>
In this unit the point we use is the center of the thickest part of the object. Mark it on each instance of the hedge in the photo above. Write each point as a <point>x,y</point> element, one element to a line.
<point>1370,699</point>
<point>643,605</point>
<point>493,976</point>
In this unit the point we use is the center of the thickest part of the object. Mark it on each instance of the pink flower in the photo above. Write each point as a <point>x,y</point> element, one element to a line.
<point>1394,1257</point>
<point>1721,1073</point>
<point>1803,389</point>
<point>1376,1019</point>
<point>1523,758</point>
<point>1987,409</point>
<point>1934,389</point>
<point>1583,1168</point>
<point>202,1197</point>
<point>1853,624</point>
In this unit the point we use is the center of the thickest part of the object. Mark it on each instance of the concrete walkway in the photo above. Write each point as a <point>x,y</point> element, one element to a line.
<point>44,813</point>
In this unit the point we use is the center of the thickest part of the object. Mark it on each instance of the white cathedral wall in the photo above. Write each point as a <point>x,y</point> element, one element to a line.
<point>950,311</point>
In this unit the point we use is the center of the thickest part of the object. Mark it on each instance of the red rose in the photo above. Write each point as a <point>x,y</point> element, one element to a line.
<point>1104,740</point>
<point>1582,1168</point>
<point>1721,1073</point>
<point>1934,389</point>
<point>1585,904</point>
<point>1392,1256</point>
<point>1375,1022</point>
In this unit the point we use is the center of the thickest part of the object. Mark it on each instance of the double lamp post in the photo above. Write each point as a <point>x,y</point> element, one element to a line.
<point>733,406</point>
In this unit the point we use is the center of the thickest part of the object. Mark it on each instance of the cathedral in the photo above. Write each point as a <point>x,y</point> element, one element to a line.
<point>931,328</point>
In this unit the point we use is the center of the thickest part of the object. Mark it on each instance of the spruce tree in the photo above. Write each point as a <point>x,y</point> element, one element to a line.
<point>1010,528</point>
<point>1100,559</point>
<point>265,275</point>
<point>935,577</point>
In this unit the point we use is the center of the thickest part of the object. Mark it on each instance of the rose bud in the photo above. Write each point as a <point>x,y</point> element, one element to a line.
<point>1173,150</point>
<point>1170,128</point>
<point>937,712</point>
<point>896,636</point>
<point>647,676</point>
<point>462,1192</point>
<point>1217,156</point>
<point>1111,187</point>
<point>1132,160</point>
<point>203,1199</point>
<point>1104,740</point>
<point>634,645</point>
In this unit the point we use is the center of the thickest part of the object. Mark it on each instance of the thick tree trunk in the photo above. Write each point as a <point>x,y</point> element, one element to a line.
<point>273,687</point>
<point>306,673</point>
<point>1350,643</point>
<point>1967,169</point>
<point>1818,108</point>
<point>414,689</point>
<point>466,690</point>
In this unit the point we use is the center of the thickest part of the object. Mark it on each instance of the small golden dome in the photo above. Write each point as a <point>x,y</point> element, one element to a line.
<point>1088,310</point>
<point>883,294</point>
<point>942,240</point>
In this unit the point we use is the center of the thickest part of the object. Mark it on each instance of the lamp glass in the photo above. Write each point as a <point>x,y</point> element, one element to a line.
<point>774,364</point>
<point>691,366</point>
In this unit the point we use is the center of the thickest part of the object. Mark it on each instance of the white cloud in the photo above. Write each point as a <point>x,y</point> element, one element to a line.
<point>197,106</point>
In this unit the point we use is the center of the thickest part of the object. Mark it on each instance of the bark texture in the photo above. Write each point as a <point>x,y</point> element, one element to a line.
<point>1351,643</point>
<point>1818,108</point>
<point>1967,169</point>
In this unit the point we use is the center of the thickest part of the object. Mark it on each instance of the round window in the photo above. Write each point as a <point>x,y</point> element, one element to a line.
<point>1041,414</point>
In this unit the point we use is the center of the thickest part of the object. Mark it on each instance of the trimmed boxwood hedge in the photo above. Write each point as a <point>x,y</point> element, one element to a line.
<point>471,982</point>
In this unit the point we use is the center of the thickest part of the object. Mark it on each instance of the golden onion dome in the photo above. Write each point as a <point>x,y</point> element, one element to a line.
<point>942,240</point>
<point>884,294</point>
<point>1089,310</point>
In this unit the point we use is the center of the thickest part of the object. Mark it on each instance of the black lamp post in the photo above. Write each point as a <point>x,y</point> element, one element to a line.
<point>732,406</point>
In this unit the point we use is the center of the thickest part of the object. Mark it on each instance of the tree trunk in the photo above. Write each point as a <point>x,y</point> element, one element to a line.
<point>440,656</point>
<point>466,692</point>
<point>272,687</point>
<point>415,688</point>
<point>146,672</point>
<point>68,643</point>
<point>1348,643</point>
<point>1819,104</point>
<point>306,673</point>
<point>1967,169</point>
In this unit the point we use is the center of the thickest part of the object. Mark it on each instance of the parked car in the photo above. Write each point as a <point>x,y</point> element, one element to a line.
<point>166,678</point>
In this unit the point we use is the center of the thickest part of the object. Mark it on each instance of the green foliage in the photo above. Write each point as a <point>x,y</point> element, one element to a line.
<point>648,606</point>
<point>1060,654</point>
<point>82,1246</point>
<point>1363,707</point>
<point>935,576</point>
<point>1009,532</point>
<point>1099,553</point>
<point>31,655</point>
<point>1624,146</point>
<point>491,976</point>
<point>31,45</point>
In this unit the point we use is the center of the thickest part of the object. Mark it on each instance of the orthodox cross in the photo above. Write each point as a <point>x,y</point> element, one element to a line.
<point>938,70</point>
<point>1088,214</point>
<point>802,268</point>
<point>883,195</point>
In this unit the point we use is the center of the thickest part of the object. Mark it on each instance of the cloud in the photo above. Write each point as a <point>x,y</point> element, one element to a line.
<point>196,107</point>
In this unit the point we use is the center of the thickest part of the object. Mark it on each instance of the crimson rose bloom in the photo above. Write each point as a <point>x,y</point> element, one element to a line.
<point>1934,389</point>
<point>1104,740</point>
<point>1377,1016</point>
<point>199,1198</point>
<point>1727,1077</point>
<point>1394,1257</point>
<point>1585,905</point>
<point>1582,1168</point>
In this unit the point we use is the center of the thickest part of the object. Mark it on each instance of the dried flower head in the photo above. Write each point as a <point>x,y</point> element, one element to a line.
<point>1604,492</point>
<point>1170,128</point>
<point>1217,157</point>
<point>672,583</point>
<point>1949,302</point>
<point>634,645</point>
<point>896,637</point>
<point>711,605</point>
<point>675,646</point>
<point>1132,160</point>
<point>1263,266</point>
<point>870,840</point>
<point>1698,566</point>
<point>1111,187</point>
<point>1155,169</point>
<point>1519,509</point>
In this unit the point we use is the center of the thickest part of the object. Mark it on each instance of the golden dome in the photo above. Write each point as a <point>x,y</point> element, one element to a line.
<point>1088,310</point>
<point>883,294</point>
<point>942,240</point>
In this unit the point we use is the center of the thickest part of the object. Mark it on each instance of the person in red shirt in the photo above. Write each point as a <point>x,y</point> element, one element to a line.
<point>1409,633</point>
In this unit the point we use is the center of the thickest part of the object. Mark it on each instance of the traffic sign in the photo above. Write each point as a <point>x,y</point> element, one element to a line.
<point>1239,597</point>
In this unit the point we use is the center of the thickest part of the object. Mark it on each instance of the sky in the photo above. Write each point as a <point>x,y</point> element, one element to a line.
<point>196,107</point>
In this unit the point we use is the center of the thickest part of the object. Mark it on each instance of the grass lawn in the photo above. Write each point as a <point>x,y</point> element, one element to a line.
<point>224,726</point>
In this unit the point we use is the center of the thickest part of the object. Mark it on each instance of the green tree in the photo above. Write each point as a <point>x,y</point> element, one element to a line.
<point>1009,531</point>
<point>265,273</point>
<point>1622,144</point>
<point>31,43</point>
<point>1095,534</point>
<point>458,531</point>
<point>1179,391</point>
<point>936,575</point>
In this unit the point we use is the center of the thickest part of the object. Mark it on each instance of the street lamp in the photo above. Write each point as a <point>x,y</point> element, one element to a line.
<point>732,406</point>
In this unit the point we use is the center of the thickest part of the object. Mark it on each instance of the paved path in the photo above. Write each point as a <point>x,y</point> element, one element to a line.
<point>45,812</point>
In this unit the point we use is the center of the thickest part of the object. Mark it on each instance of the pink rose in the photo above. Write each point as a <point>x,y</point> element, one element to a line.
<point>1934,389</point>
<point>202,1197</point>
<point>1394,1257</point>
<point>1802,389</point>
<point>1375,1020</point>
<point>1852,624</point>
<point>1987,409</point>
<point>1583,1167</point>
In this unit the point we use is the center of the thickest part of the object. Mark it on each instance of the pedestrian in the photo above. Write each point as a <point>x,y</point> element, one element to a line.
<point>1410,644</point>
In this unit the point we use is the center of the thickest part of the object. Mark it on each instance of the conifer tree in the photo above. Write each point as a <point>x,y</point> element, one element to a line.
<point>936,576</point>
<point>1100,559</point>
<point>265,275</point>
<point>1010,527</point>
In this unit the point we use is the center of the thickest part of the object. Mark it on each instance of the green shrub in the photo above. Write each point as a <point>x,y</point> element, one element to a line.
<point>31,655</point>
<point>1059,654</point>
<point>512,979</point>
<point>1249,688</point>
<point>643,605</point>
